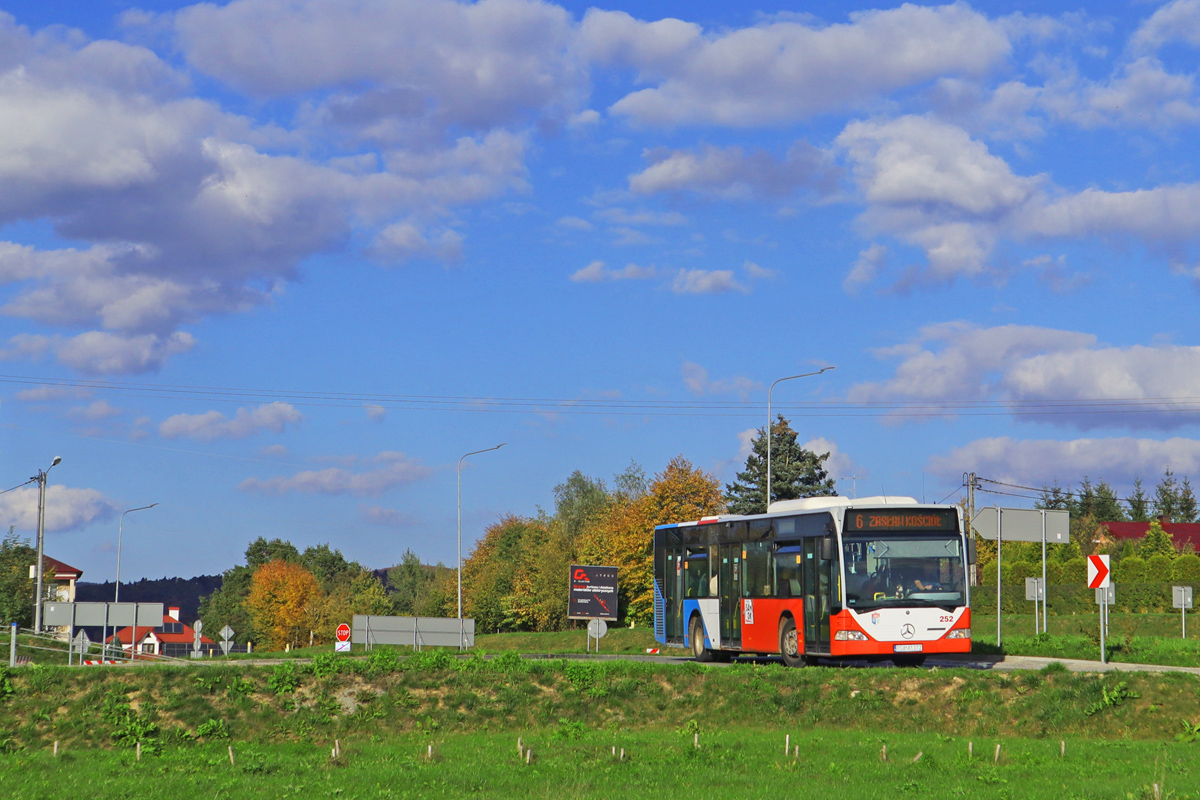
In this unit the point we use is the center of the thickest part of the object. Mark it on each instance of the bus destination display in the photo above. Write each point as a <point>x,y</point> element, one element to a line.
<point>901,520</point>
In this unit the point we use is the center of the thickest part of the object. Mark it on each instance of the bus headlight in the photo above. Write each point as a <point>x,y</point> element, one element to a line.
<point>849,636</point>
<point>959,633</point>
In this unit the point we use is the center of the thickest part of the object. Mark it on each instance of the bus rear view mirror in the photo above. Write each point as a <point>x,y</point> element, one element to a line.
<point>827,549</point>
<point>970,550</point>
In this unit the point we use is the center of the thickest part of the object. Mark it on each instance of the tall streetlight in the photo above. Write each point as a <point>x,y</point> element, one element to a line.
<point>117,589</point>
<point>41,540</point>
<point>461,636</point>
<point>769,437</point>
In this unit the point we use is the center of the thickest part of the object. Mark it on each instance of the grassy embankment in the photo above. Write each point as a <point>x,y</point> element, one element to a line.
<point>282,721</point>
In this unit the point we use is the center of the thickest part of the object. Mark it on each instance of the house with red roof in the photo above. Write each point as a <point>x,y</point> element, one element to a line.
<point>171,638</point>
<point>1182,533</point>
<point>60,579</point>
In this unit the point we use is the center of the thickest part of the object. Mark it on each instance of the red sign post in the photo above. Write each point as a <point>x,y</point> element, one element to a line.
<point>342,645</point>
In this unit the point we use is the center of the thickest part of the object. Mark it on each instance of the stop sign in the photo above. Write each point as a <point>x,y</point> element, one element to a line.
<point>343,632</point>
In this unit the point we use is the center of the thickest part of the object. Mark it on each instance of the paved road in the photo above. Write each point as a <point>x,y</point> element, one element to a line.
<point>987,662</point>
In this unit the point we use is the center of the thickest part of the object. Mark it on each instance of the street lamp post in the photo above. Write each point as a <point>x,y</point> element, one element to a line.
<point>769,437</point>
<point>461,636</point>
<point>41,541</point>
<point>117,589</point>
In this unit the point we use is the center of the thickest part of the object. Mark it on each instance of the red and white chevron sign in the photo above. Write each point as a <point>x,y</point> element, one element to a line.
<point>1099,574</point>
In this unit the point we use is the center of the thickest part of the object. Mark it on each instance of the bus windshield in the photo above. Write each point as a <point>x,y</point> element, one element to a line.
<point>903,569</point>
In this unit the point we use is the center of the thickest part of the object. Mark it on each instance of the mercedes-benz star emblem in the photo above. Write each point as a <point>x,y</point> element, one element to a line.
<point>907,631</point>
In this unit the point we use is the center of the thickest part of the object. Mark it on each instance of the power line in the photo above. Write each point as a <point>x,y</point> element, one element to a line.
<point>612,406</point>
<point>18,486</point>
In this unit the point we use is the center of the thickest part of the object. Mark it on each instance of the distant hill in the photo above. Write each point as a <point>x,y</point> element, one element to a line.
<point>182,592</point>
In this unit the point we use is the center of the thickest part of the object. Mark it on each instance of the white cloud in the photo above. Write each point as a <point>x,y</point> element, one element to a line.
<point>706,281</point>
<point>187,211</point>
<point>598,272</point>
<point>376,413</point>
<point>479,65</point>
<point>620,216</point>
<point>1177,21</point>
<point>101,409</point>
<point>695,377</point>
<point>387,517</point>
<point>66,508</point>
<point>930,185</point>
<point>575,224</point>
<point>1045,461</point>
<point>212,425</point>
<point>782,71</point>
<point>394,469</point>
<point>732,173</point>
<point>757,273</point>
<point>870,262</point>
<point>1061,377</point>
<point>839,465</point>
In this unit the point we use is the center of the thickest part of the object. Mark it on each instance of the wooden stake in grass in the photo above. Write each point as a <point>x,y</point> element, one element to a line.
<point>917,757</point>
<point>970,750</point>
<point>997,758</point>
<point>787,744</point>
<point>138,757</point>
<point>56,748</point>
<point>232,763</point>
<point>429,753</point>
<point>1157,792</point>
<point>1062,749</point>
<point>696,740</point>
<point>797,755</point>
<point>520,747</point>
<point>883,753</point>
<point>614,751</point>
<point>337,747</point>
<point>622,753</point>
<point>529,756</point>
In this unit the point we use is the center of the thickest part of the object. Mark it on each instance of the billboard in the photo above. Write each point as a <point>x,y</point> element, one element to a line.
<point>592,593</point>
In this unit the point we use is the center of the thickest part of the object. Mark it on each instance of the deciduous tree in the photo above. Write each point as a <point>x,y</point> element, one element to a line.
<point>280,602</point>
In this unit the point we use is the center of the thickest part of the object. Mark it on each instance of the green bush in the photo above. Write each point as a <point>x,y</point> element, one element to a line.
<point>1186,568</point>
<point>1130,570</point>
<point>326,664</point>
<point>1160,568</point>
<point>213,729</point>
<point>430,660</point>
<point>284,679</point>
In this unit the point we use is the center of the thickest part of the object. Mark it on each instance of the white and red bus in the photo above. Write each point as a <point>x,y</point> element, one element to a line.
<point>876,578</point>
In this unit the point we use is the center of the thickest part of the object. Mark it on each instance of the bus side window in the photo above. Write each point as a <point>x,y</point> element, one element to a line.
<point>757,582</point>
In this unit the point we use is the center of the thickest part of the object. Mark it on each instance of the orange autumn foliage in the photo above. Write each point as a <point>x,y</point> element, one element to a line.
<point>282,596</point>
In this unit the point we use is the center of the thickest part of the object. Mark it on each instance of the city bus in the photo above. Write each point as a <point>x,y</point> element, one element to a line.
<point>877,578</point>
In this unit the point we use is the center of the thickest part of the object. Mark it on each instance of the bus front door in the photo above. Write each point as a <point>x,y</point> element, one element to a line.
<point>816,597</point>
<point>731,594</point>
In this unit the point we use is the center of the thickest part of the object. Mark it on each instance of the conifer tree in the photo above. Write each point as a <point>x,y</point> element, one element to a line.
<point>795,472</point>
<point>1166,497</point>
<point>1139,504</point>
<point>1187,503</point>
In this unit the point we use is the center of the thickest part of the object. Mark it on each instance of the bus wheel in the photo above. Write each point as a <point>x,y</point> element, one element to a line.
<point>908,661</point>
<point>696,637</point>
<point>789,644</point>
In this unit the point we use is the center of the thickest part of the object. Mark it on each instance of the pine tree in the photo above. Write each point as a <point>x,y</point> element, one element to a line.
<point>1166,496</point>
<point>795,472</point>
<point>1187,503</point>
<point>1106,506</point>
<point>1139,504</point>
<point>1054,497</point>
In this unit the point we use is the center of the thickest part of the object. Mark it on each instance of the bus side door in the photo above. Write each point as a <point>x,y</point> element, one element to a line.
<point>731,595</point>
<point>817,596</point>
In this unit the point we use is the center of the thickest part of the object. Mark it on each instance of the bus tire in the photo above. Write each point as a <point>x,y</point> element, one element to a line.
<point>909,661</point>
<point>789,643</point>
<point>696,637</point>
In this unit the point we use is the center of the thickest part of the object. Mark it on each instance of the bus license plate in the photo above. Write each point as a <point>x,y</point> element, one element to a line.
<point>908,648</point>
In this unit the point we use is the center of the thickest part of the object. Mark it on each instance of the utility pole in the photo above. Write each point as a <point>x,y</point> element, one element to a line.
<point>971,481</point>
<point>41,539</point>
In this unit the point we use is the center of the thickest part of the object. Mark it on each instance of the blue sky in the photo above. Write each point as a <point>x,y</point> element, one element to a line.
<point>276,264</point>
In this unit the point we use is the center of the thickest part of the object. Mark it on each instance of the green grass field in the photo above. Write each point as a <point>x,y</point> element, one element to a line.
<point>1122,731</point>
<point>572,762</point>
